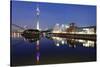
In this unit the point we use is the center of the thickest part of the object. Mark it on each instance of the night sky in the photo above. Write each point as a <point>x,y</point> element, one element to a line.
<point>24,13</point>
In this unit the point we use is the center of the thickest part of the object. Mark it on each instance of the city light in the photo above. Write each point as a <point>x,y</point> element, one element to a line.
<point>73,30</point>
<point>88,44</point>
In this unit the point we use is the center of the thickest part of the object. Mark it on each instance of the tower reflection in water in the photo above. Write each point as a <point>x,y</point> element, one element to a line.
<point>37,54</point>
<point>73,42</point>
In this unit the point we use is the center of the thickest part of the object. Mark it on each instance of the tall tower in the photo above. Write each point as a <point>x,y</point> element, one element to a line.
<point>37,14</point>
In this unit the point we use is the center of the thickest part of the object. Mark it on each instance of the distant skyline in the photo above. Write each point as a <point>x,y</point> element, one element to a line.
<point>24,13</point>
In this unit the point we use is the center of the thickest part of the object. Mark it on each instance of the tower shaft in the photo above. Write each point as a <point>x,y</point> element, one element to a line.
<point>37,14</point>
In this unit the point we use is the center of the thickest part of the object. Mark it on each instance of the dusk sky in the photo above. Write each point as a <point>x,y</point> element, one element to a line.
<point>24,13</point>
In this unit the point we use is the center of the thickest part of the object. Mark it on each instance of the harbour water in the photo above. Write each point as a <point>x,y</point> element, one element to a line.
<point>51,50</point>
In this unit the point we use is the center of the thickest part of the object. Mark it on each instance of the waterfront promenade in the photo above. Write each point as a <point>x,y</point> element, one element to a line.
<point>75,36</point>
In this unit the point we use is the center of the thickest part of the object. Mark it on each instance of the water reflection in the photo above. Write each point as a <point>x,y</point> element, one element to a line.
<point>16,35</point>
<point>72,42</point>
<point>31,39</point>
<point>59,41</point>
<point>36,41</point>
<point>53,50</point>
<point>37,52</point>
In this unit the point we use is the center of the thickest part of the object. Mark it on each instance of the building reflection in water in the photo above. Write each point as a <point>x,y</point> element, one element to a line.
<point>73,42</point>
<point>16,35</point>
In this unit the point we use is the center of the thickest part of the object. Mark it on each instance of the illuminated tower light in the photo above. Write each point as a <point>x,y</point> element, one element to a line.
<point>37,13</point>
